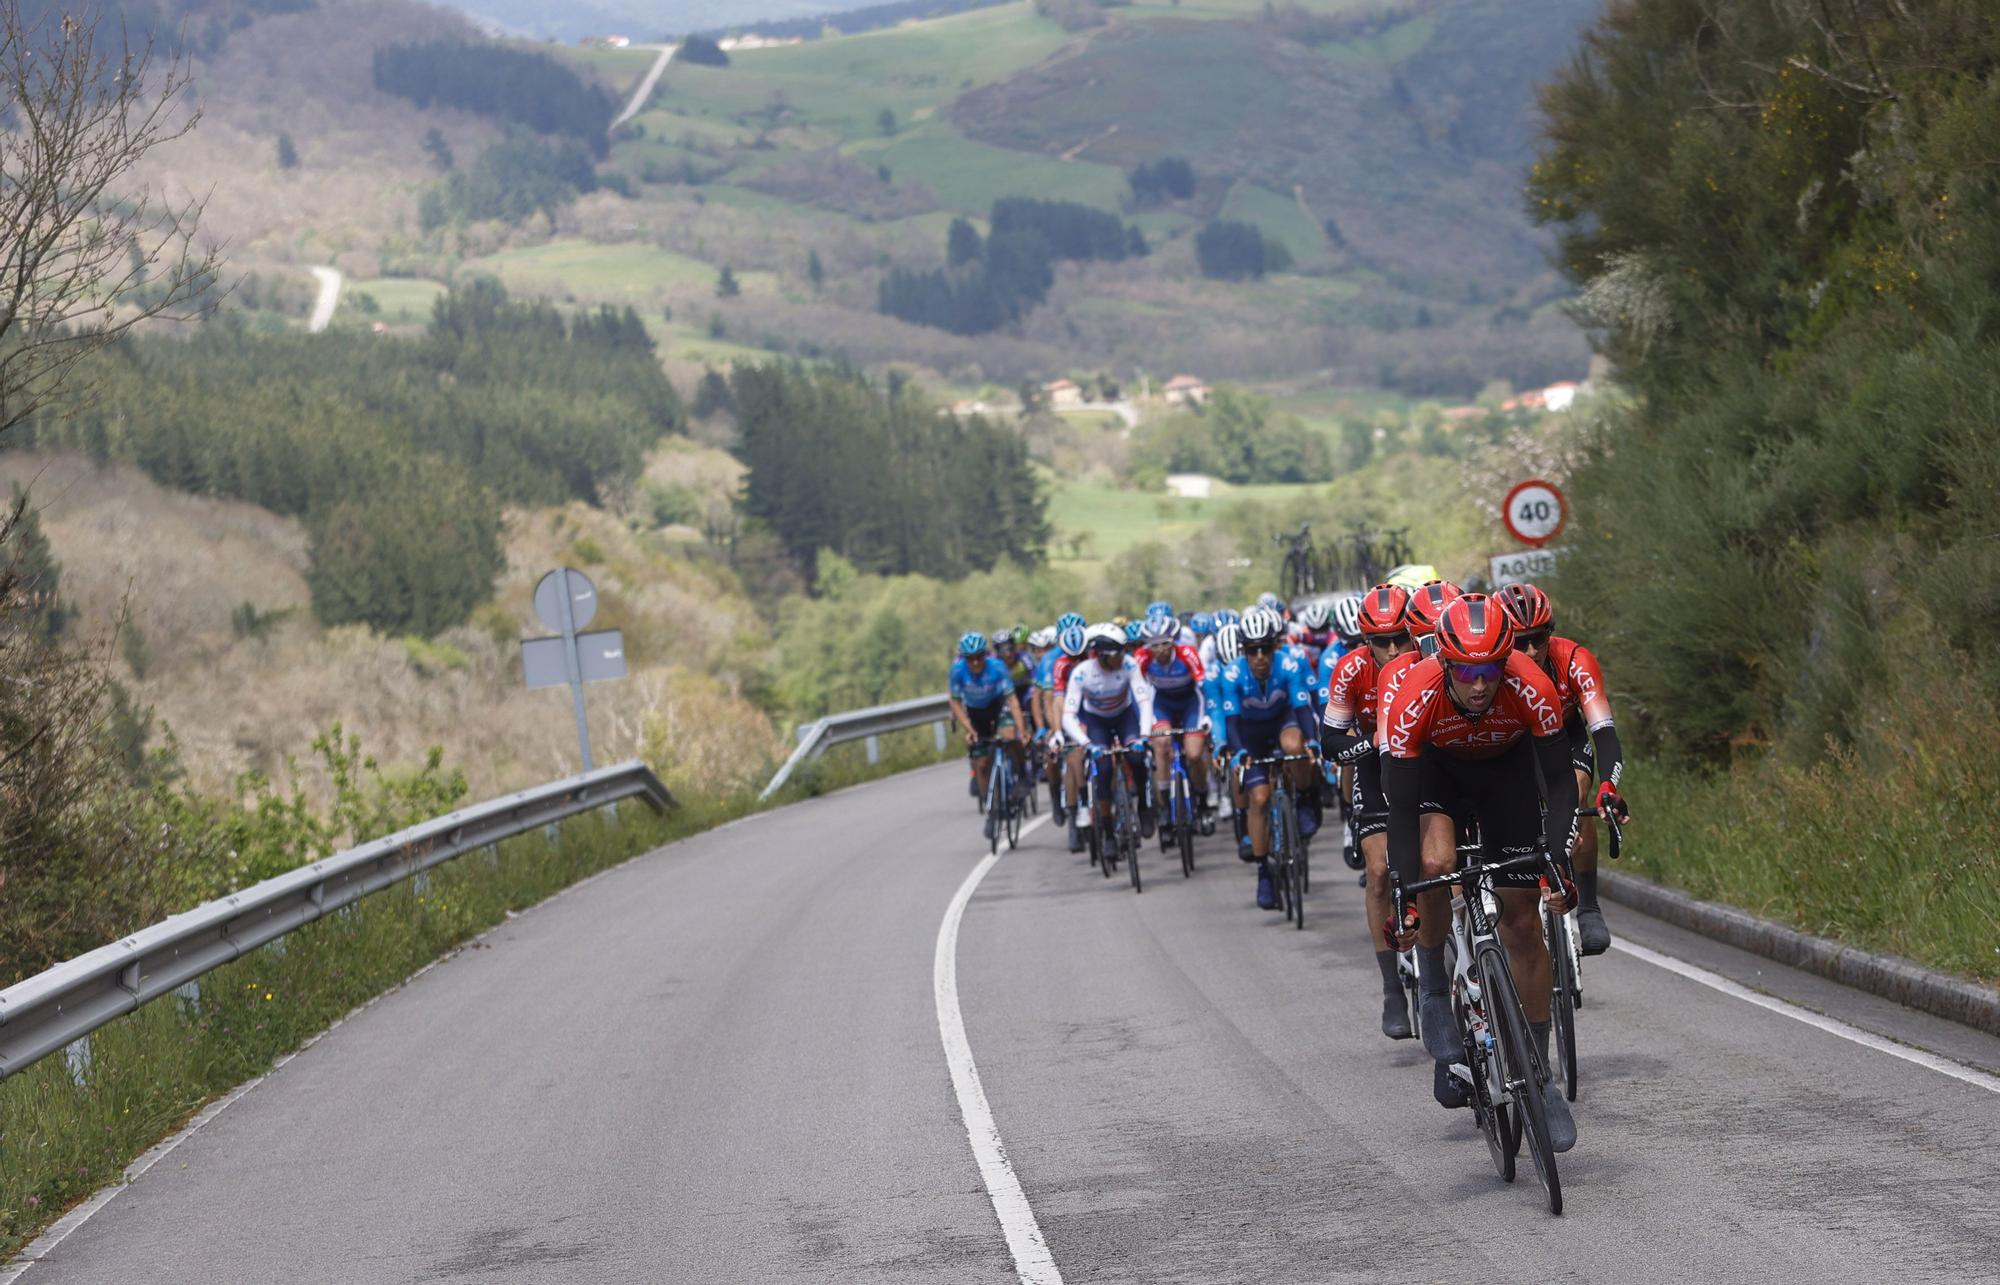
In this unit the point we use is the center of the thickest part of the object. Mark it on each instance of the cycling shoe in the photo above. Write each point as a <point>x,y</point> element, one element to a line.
<point>1592,934</point>
<point>1243,852</point>
<point>1148,822</point>
<point>1562,1125</point>
<point>1447,1088</point>
<point>1396,1016</point>
<point>1267,893</point>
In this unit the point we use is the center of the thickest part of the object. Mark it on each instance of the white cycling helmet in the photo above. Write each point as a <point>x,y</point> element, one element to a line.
<point>1347,616</point>
<point>1314,615</point>
<point>1261,624</point>
<point>1043,637</point>
<point>1229,644</point>
<point>1101,634</point>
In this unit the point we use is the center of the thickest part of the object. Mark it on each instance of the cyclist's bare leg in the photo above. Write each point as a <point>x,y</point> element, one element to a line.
<point>1375,858</point>
<point>1162,753</point>
<point>1256,802</point>
<point>1527,955</point>
<point>1010,740</point>
<point>1194,749</point>
<point>1074,771</point>
<point>1439,834</point>
<point>1293,741</point>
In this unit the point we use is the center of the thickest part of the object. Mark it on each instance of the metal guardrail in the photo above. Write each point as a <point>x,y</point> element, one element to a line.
<point>52,1009</point>
<point>858,725</point>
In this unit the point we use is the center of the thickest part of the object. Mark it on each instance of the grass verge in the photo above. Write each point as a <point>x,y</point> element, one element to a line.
<point>69,1125</point>
<point>1891,844</point>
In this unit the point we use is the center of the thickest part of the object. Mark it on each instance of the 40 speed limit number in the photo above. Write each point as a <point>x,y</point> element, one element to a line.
<point>1534,512</point>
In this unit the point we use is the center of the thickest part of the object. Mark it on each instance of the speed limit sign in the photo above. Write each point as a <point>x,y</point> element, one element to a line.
<point>1534,512</point>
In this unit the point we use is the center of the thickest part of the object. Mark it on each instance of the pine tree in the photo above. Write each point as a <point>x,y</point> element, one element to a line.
<point>815,271</point>
<point>33,568</point>
<point>725,284</point>
<point>288,156</point>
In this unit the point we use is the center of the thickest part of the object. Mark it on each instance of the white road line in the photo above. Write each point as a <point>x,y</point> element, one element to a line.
<point>1010,1204</point>
<point>1714,981</point>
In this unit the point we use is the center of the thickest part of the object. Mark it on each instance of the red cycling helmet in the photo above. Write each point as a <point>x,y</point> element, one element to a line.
<point>1382,610</point>
<point>1427,605</point>
<point>1527,606</point>
<point>1474,631</point>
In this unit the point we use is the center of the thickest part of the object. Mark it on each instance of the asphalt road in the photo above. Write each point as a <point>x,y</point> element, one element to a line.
<point>722,1062</point>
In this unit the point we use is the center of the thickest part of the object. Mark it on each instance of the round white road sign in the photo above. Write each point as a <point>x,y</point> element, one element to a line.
<point>1534,512</point>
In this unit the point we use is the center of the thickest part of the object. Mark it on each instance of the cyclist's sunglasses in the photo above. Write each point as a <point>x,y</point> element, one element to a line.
<point>1390,640</point>
<point>1107,649</point>
<point>1489,672</point>
<point>1259,649</point>
<point>1539,638</point>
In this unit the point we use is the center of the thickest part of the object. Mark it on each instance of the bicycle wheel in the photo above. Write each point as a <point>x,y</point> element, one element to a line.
<point>1127,817</point>
<point>1489,1107</point>
<point>1562,1011</point>
<point>1503,1009</point>
<point>1184,825</point>
<point>1015,808</point>
<point>1291,865</point>
<point>996,781</point>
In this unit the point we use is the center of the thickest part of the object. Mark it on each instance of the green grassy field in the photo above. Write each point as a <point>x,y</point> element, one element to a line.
<point>1115,519</point>
<point>400,299</point>
<point>968,177</point>
<point>620,272</point>
<point>843,84</point>
<point>1280,219</point>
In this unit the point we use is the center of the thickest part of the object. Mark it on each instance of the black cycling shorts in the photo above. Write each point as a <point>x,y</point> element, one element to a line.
<point>1582,752</point>
<point>1502,792</point>
<point>1370,806</point>
<point>988,722</point>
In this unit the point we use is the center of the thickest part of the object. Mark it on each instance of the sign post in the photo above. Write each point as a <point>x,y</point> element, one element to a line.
<point>566,601</point>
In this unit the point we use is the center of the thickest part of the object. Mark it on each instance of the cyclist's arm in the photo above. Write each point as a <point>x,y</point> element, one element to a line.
<point>1610,754</point>
<point>1014,709</point>
<point>1559,779</point>
<point>1142,694</point>
<point>958,712</point>
<point>1595,707</point>
<point>1072,725</point>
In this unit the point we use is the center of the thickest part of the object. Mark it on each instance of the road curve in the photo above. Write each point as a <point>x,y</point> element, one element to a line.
<point>329,298</point>
<point>645,89</point>
<point>722,1062</point>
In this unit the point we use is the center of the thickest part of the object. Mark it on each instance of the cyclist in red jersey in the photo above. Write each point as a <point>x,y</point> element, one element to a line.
<point>1427,605</point>
<point>1347,736</point>
<point>1477,731</point>
<point>1593,737</point>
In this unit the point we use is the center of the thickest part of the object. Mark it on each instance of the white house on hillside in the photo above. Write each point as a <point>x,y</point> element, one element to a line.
<point>1185,390</point>
<point>1063,394</point>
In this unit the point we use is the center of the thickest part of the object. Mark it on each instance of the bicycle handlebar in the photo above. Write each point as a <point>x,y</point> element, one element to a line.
<point>1405,913</point>
<point>1614,833</point>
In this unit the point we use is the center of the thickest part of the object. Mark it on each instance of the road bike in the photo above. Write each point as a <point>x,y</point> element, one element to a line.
<point>1300,574</point>
<point>1003,802</point>
<point>1290,872</point>
<point>1122,844</point>
<point>1500,1065</point>
<point>1180,817</point>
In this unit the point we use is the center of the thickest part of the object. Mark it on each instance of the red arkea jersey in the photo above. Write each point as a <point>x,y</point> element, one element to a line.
<point>1060,674</point>
<point>1578,681</point>
<point>1350,696</point>
<point>1386,684</point>
<point>1421,713</point>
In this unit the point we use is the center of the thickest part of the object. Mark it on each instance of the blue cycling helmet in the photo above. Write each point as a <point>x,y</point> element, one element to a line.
<point>1226,617</point>
<point>1072,638</point>
<point>1159,607</point>
<point>1133,629</point>
<point>1202,623</point>
<point>972,644</point>
<point>1160,627</point>
<point>1272,602</point>
<point>1069,618</point>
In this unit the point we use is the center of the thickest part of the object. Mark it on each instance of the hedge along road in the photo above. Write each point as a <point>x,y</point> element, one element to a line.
<point>723,1062</point>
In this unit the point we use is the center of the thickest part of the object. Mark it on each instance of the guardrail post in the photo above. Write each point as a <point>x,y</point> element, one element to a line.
<point>77,1054</point>
<point>940,726</point>
<point>874,744</point>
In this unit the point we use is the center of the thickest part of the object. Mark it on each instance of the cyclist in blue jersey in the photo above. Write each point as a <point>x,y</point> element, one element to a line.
<point>1109,702</point>
<point>1266,709</point>
<point>982,700</point>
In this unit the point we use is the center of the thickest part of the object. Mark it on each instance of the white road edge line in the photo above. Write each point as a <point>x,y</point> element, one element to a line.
<point>1832,1026</point>
<point>1032,1262</point>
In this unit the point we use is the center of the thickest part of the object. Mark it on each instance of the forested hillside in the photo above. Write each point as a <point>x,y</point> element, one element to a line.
<point>1786,228</point>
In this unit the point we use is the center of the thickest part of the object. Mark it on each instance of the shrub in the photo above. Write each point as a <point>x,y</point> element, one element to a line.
<point>412,554</point>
